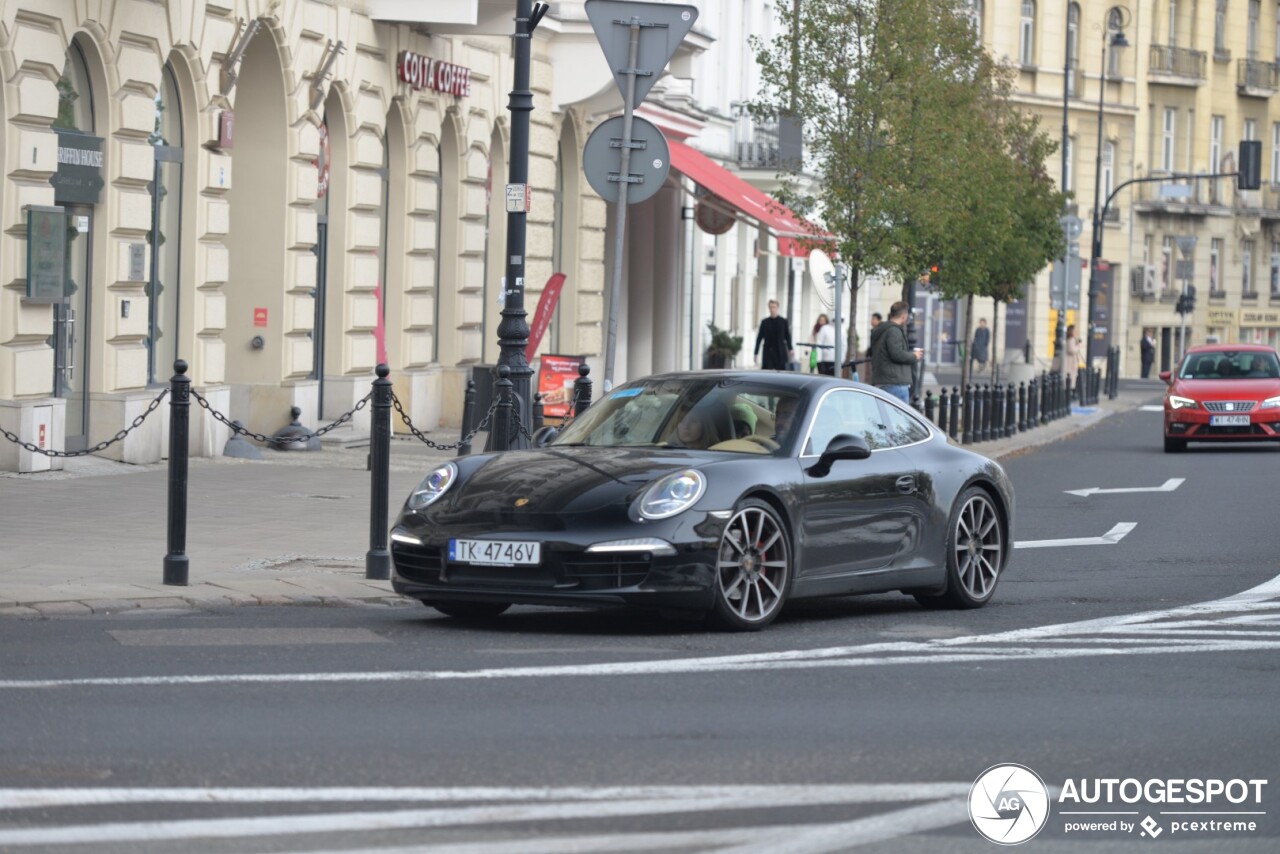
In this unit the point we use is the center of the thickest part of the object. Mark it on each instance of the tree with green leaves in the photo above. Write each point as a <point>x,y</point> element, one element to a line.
<point>920,156</point>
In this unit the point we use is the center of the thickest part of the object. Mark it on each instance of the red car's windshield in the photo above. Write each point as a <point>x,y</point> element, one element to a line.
<point>1233,365</point>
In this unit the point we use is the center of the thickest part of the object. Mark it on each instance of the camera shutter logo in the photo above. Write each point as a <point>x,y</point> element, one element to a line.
<point>1008,804</point>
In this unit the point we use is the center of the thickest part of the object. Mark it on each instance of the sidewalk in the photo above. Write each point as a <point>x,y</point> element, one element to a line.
<point>291,529</point>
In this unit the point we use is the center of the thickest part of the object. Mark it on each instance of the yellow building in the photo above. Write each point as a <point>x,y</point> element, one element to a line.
<point>1196,77</point>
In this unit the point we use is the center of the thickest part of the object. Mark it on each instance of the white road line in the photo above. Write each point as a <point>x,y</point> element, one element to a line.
<point>1168,486</point>
<point>1151,407</point>
<point>1260,598</point>
<point>354,822</point>
<point>862,793</point>
<point>1110,538</point>
<point>841,836</point>
<point>697,840</point>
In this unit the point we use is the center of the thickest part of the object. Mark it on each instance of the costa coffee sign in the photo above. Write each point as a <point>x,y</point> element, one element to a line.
<point>423,72</point>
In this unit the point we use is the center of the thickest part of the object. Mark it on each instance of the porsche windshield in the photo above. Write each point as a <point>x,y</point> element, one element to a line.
<point>730,416</point>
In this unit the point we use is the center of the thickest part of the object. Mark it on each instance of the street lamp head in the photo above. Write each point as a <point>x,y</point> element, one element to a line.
<point>1118,39</point>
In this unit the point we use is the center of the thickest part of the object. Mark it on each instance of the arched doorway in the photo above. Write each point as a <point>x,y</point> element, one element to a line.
<point>495,245</point>
<point>332,185</point>
<point>449,347</point>
<point>77,190</point>
<point>258,336</point>
<point>165,236</point>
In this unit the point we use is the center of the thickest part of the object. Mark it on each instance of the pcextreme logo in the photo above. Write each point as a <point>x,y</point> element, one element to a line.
<point>1008,804</point>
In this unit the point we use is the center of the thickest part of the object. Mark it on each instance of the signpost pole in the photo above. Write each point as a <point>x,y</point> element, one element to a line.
<point>620,207</point>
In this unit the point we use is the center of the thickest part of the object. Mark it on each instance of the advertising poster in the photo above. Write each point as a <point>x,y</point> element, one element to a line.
<point>556,375</point>
<point>46,254</point>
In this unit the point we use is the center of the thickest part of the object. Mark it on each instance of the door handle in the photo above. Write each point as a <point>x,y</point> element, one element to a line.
<point>906,484</point>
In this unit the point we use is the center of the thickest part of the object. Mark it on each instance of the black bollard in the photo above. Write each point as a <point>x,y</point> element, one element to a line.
<point>539,416</point>
<point>986,413</point>
<point>176,563</point>
<point>468,413</point>
<point>1043,407</point>
<point>928,406</point>
<point>377,563</point>
<point>1022,407</point>
<point>966,437</point>
<point>1010,411</point>
<point>944,409</point>
<point>953,429</point>
<point>582,390</point>
<point>500,430</point>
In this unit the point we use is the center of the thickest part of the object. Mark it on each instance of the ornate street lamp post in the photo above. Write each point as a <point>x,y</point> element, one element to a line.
<point>1112,31</point>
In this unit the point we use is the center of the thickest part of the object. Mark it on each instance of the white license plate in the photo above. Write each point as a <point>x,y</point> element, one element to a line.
<point>1228,420</point>
<point>495,552</point>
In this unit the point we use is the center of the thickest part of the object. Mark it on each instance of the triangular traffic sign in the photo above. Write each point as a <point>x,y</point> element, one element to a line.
<point>663,27</point>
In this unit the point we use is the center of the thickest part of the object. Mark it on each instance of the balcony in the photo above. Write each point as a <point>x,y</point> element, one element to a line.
<point>1175,196</point>
<point>1257,79</point>
<point>1178,66</point>
<point>757,148</point>
<point>1112,215</point>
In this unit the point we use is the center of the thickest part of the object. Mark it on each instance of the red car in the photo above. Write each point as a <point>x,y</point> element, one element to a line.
<point>1223,393</point>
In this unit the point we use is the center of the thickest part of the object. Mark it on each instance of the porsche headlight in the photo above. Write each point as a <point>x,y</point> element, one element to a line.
<point>1177,402</point>
<point>433,486</point>
<point>673,494</point>
<point>1270,403</point>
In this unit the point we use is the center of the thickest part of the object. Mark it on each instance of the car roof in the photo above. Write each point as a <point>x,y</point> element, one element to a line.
<point>1230,348</point>
<point>779,379</point>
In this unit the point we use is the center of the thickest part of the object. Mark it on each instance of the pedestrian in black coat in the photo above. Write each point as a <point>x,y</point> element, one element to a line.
<point>1148,353</point>
<point>774,338</point>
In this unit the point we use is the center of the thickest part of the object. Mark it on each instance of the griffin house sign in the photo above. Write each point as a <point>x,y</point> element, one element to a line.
<point>422,72</point>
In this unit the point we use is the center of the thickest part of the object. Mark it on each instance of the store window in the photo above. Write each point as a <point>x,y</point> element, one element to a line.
<point>163,238</point>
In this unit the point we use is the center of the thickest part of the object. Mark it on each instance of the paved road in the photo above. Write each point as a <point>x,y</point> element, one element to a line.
<point>857,724</point>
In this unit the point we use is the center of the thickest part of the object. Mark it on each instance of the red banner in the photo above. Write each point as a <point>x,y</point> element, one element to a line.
<point>556,375</point>
<point>542,317</point>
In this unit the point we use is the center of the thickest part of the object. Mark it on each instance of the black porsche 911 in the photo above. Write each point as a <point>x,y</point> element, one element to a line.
<point>726,493</point>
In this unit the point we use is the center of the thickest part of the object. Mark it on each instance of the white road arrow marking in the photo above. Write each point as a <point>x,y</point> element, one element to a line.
<point>1110,538</point>
<point>1168,486</point>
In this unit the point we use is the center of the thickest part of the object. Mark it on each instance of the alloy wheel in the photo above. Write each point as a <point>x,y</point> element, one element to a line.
<point>979,546</point>
<point>753,566</point>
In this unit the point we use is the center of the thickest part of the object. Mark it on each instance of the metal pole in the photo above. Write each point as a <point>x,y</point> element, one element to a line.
<point>1059,330</point>
<point>176,563</point>
<point>1097,213</point>
<point>377,562</point>
<point>513,331</point>
<point>620,207</point>
<point>838,294</point>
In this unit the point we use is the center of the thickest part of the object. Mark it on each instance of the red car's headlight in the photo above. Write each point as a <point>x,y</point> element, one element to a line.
<point>1178,402</point>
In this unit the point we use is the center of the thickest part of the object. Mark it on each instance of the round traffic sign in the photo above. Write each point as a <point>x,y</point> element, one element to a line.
<point>602,159</point>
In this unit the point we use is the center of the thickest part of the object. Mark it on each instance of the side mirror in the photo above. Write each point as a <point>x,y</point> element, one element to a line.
<point>843,446</point>
<point>1166,376</point>
<point>544,436</point>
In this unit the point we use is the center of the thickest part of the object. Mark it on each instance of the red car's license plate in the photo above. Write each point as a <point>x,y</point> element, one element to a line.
<point>1228,420</point>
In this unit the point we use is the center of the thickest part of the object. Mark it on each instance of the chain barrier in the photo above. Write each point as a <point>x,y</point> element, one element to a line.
<point>101,446</point>
<point>452,446</point>
<point>283,440</point>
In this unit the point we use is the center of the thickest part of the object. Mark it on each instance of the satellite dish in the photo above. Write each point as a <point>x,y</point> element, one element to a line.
<point>820,267</point>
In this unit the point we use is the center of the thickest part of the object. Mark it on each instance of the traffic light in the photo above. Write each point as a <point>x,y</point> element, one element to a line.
<point>1249,176</point>
<point>1187,301</point>
<point>934,281</point>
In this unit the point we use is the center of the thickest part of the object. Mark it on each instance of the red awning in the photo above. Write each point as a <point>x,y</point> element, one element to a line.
<point>794,232</point>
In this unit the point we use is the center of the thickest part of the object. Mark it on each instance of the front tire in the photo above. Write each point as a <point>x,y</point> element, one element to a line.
<point>469,610</point>
<point>975,553</point>
<point>754,568</point>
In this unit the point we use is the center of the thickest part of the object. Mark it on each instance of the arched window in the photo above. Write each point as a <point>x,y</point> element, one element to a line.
<point>166,226</point>
<point>1027,46</point>
<point>1073,46</point>
<point>974,12</point>
<point>75,102</point>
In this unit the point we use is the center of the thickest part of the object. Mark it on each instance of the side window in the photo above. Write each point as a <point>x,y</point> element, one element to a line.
<point>852,412</point>
<point>901,429</point>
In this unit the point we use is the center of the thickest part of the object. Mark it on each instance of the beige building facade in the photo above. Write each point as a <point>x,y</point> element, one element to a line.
<point>280,192</point>
<point>1196,77</point>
